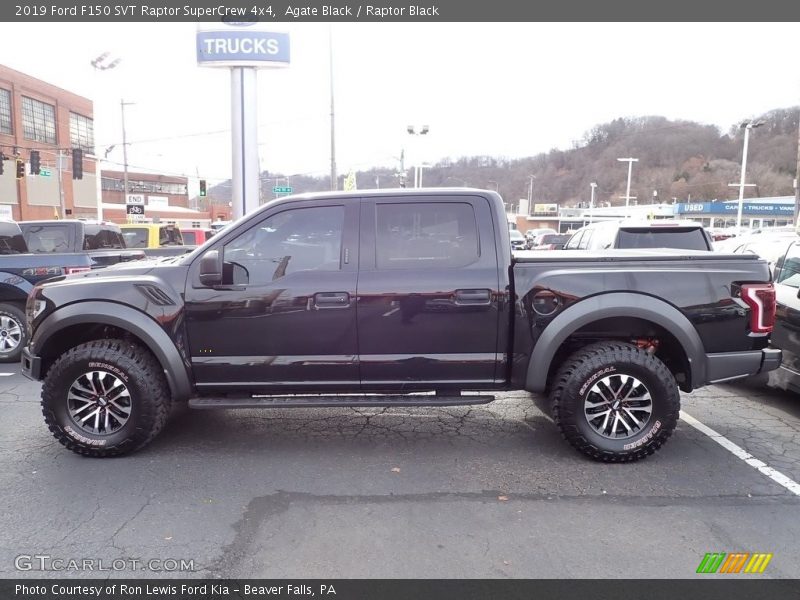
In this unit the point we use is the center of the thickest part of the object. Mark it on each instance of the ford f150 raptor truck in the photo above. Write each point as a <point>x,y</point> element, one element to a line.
<point>395,298</point>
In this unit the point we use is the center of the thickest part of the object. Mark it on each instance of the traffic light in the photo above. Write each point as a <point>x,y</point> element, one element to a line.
<point>20,168</point>
<point>77,163</point>
<point>36,163</point>
<point>202,187</point>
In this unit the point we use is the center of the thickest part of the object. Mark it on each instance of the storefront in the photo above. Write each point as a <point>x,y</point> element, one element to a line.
<point>756,212</point>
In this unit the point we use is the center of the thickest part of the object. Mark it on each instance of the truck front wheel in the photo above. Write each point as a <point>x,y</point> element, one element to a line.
<point>105,398</point>
<point>615,402</point>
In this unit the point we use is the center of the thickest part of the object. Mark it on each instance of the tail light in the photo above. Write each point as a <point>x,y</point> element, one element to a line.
<point>71,270</point>
<point>760,297</point>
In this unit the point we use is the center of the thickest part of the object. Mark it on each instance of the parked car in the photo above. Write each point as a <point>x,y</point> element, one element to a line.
<point>603,235</point>
<point>517,240</point>
<point>155,239</point>
<point>532,234</point>
<point>786,334</point>
<point>389,293</point>
<point>19,272</point>
<point>102,241</point>
<point>769,246</point>
<point>551,241</point>
<point>196,237</point>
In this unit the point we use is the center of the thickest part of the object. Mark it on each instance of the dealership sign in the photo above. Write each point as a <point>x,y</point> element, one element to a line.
<point>722,208</point>
<point>242,47</point>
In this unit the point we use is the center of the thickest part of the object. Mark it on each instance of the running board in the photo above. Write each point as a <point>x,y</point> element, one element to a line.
<point>204,403</point>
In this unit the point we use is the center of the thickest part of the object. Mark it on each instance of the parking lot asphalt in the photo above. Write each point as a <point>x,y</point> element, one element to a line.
<point>491,491</point>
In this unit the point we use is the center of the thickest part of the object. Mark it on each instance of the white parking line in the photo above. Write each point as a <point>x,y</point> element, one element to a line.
<point>7,374</point>
<point>739,452</point>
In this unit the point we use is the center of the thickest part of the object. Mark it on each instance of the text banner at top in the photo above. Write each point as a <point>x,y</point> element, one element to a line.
<point>380,10</point>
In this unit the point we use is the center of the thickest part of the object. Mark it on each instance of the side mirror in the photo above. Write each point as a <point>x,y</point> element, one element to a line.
<point>211,268</point>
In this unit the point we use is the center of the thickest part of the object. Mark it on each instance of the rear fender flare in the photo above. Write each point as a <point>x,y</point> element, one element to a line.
<point>615,304</point>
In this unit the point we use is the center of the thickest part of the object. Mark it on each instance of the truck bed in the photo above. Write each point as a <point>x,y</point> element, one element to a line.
<point>659,254</point>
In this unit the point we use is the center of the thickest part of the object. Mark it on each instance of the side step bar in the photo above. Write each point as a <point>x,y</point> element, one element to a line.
<point>204,403</point>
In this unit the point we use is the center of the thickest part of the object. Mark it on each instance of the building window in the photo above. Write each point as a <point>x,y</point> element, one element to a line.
<point>38,121</point>
<point>81,132</point>
<point>5,111</point>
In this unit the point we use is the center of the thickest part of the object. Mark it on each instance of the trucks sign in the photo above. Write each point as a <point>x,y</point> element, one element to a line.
<point>242,48</point>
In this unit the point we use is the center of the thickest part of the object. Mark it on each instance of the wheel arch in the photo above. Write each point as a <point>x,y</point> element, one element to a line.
<point>86,317</point>
<point>626,305</point>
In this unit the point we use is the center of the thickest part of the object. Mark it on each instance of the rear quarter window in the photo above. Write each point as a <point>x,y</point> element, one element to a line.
<point>684,239</point>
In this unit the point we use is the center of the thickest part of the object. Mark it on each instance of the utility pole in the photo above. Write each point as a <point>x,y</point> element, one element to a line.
<point>122,105</point>
<point>593,185</point>
<point>630,162</point>
<point>334,178</point>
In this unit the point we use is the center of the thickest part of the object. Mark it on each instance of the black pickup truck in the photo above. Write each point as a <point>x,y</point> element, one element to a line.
<point>395,298</point>
<point>19,272</point>
<point>102,241</point>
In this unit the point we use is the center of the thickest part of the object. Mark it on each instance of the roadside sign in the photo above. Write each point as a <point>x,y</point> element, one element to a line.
<point>45,172</point>
<point>134,209</point>
<point>282,190</point>
<point>134,199</point>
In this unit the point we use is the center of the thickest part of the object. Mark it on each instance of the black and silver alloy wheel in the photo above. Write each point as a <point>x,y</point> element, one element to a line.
<point>10,334</point>
<point>99,403</point>
<point>614,401</point>
<point>106,397</point>
<point>618,406</point>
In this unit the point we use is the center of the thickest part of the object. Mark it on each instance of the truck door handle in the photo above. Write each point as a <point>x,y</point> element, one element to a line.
<point>331,300</point>
<point>473,297</point>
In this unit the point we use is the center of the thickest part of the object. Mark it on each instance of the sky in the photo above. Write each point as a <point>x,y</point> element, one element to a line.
<point>501,89</point>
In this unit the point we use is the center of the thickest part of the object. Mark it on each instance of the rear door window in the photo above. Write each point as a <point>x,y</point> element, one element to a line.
<point>417,235</point>
<point>662,237</point>
<point>11,240</point>
<point>103,238</point>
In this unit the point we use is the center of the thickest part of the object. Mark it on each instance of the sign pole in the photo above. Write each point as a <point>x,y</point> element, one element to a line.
<point>244,130</point>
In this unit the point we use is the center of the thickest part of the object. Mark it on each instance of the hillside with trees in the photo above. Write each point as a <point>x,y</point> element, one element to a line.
<point>680,160</point>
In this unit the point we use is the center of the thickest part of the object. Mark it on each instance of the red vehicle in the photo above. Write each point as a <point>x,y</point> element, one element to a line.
<point>196,237</point>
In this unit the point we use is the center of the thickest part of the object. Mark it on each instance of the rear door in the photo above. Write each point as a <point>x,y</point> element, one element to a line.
<point>428,293</point>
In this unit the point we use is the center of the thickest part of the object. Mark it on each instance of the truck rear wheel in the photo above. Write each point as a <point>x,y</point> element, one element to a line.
<point>13,334</point>
<point>105,398</point>
<point>615,402</point>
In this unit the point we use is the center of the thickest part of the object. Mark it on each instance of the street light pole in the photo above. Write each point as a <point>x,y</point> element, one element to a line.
<point>628,196</point>
<point>99,64</point>
<point>747,127</point>
<point>593,185</point>
<point>417,166</point>
<point>530,195</point>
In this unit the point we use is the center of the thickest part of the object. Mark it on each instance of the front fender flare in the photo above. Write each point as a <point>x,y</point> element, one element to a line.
<point>615,304</point>
<point>129,319</point>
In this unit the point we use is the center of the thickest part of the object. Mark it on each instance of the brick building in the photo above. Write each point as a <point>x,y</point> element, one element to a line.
<point>35,115</point>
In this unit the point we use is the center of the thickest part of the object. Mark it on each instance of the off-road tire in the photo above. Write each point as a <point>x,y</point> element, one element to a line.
<point>571,386</point>
<point>17,315</point>
<point>141,373</point>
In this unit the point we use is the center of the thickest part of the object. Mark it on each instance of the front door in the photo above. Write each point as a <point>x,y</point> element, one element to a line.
<point>284,318</point>
<point>428,293</point>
